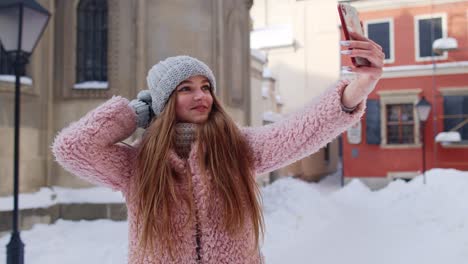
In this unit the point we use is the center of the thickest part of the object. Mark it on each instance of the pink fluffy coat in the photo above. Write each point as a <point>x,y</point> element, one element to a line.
<point>89,149</point>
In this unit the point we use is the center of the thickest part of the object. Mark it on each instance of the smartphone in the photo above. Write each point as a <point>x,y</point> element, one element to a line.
<point>349,17</point>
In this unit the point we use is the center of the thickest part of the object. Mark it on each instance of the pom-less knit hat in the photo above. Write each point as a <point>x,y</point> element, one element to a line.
<point>164,77</point>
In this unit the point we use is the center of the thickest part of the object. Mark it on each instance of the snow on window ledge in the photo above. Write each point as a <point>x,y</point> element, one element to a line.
<point>453,136</point>
<point>279,100</point>
<point>265,91</point>
<point>91,85</point>
<point>267,74</point>
<point>12,78</point>
<point>445,44</point>
<point>47,197</point>
<point>451,140</point>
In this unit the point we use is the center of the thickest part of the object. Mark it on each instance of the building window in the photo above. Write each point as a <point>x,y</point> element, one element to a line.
<point>381,31</point>
<point>428,29</point>
<point>92,41</point>
<point>6,66</point>
<point>400,123</point>
<point>456,114</point>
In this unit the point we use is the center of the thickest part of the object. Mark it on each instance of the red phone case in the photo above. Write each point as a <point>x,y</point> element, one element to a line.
<point>357,61</point>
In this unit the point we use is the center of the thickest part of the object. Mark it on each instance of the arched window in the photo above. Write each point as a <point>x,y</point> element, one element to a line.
<point>92,41</point>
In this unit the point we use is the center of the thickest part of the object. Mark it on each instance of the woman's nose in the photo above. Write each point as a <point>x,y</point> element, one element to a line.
<point>199,94</point>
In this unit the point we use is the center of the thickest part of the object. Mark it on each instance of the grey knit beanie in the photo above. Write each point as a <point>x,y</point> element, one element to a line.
<point>164,77</point>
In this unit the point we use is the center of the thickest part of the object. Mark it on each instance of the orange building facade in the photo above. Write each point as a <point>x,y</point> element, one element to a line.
<point>387,143</point>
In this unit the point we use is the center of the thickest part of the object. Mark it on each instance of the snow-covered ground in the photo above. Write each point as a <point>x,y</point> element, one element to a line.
<point>308,223</point>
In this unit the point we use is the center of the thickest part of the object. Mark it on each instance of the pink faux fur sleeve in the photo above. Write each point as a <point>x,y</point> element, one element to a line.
<point>302,133</point>
<point>88,148</point>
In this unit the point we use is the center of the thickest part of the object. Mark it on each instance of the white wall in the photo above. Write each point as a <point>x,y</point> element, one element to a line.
<point>304,70</point>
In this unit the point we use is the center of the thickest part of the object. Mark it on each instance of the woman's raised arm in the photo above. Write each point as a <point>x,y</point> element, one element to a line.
<point>307,131</point>
<point>89,148</point>
<point>303,132</point>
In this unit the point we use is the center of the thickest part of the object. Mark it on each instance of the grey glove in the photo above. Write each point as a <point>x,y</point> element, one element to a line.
<point>142,107</point>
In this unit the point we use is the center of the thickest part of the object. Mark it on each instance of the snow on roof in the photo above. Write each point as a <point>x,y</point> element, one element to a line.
<point>444,44</point>
<point>92,85</point>
<point>453,136</point>
<point>12,78</point>
<point>259,55</point>
<point>272,37</point>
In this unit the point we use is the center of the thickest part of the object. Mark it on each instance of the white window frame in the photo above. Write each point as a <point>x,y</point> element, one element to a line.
<point>405,96</point>
<point>388,20</point>
<point>444,56</point>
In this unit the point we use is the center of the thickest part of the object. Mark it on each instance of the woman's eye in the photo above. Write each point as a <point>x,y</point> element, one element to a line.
<point>183,89</point>
<point>206,88</point>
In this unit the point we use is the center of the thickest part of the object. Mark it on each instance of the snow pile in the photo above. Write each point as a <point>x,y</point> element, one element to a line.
<point>90,242</point>
<point>404,223</point>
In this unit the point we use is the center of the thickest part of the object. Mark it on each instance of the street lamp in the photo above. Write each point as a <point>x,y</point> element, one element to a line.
<point>423,108</point>
<point>22,23</point>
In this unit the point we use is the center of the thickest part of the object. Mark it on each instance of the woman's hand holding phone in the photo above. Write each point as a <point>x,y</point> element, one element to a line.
<point>366,76</point>
<point>368,49</point>
<point>366,56</point>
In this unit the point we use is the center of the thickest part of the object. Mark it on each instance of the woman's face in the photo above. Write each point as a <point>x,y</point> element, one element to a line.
<point>193,100</point>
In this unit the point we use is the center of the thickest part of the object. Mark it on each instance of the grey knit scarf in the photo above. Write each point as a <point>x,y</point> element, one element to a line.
<point>185,136</point>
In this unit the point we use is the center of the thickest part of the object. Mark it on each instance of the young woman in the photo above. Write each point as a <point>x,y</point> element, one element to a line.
<point>189,184</point>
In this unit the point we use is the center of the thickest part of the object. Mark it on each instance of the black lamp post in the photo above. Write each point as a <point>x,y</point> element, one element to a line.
<point>22,23</point>
<point>423,108</point>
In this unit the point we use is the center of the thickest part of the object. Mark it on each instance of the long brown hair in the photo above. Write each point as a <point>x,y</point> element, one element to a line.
<point>226,155</point>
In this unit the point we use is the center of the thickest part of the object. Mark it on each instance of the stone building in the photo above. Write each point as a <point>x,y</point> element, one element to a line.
<point>93,49</point>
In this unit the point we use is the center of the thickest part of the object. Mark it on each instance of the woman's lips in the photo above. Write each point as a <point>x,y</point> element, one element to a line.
<point>200,108</point>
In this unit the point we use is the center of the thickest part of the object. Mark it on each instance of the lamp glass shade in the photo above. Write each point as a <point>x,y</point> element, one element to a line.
<point>423,107</point>
<point>9,25</point>
<point>34,23</point>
